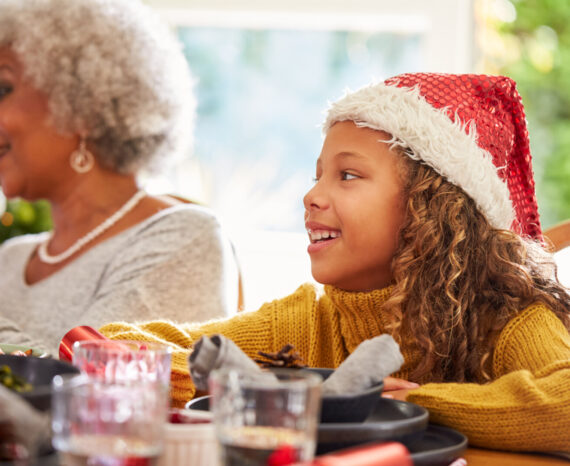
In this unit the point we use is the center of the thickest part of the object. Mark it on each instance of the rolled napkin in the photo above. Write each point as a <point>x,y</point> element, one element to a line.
<point>368,365</point>
<point>218,352</point>
<point>22,424</point>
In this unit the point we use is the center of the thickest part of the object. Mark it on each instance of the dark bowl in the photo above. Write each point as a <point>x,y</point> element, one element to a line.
<point>39,372</point>
<point>334,409</point>
<point>353,407</point>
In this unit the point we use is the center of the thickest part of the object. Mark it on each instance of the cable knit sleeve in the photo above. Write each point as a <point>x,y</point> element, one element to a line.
<point>527,406</point>
<point>263,330</point>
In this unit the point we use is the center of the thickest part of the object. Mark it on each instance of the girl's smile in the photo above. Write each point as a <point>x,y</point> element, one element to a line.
<point>354,211</point>
<point>320,236</point>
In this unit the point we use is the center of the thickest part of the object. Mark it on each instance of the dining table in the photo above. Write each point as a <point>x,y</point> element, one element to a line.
<point>473,455</point>
<point>483,457</point>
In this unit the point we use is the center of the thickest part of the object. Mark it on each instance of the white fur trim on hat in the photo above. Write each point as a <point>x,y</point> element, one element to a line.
<point>449,148</point>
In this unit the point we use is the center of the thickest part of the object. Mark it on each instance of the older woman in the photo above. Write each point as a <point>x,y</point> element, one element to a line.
<point>91,93</point>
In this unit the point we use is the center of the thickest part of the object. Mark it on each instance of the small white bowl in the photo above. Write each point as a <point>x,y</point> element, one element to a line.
<point>190,444</point>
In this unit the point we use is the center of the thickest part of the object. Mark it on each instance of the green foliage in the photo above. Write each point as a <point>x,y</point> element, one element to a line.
<point>22,217</point>
<point>542,72</point>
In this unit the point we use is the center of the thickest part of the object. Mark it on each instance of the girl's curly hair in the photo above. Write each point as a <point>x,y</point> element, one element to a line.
<point>458,281</point>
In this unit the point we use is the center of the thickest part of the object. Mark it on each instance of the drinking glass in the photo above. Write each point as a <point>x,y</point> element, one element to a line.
<point>114,412</point>
<point>260,421</point>
<point>110,361</point>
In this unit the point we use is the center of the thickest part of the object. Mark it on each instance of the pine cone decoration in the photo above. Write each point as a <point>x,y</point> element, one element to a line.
<point>285,357</point>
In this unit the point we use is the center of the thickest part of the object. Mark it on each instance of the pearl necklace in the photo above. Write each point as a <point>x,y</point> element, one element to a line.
<point>47,258</point>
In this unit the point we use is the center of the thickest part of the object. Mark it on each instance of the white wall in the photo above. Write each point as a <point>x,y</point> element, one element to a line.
<point>448,24</point>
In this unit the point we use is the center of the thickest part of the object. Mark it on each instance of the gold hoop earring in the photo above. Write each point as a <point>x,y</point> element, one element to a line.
<point>81,159</point>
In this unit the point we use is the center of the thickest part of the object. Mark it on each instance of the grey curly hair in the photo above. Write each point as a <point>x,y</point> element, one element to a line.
<point>112,73</point>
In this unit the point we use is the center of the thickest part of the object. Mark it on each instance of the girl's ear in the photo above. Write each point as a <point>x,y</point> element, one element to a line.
<point>404,170</point>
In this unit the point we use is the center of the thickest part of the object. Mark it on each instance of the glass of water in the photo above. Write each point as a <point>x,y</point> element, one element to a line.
<point>122,361</point>
<point>260,421</point>
<point>114,412</point>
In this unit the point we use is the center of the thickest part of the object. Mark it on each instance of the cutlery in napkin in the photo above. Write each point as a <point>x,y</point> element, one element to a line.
<point>20,423</point>
<point>367,365</point>
<point>218,352</point>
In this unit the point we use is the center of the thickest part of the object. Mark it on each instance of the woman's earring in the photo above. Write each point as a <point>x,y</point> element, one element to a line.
<point>81,160</point>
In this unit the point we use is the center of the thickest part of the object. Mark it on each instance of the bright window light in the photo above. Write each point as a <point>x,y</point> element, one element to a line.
<point>263,81</point>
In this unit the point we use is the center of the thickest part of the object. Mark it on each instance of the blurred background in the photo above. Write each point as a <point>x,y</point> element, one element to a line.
<point>265,70</point>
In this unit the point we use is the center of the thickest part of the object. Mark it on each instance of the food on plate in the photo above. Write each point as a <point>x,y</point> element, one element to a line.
<point>18,352</point>
<point>13,381</point>
<point>285,357</point>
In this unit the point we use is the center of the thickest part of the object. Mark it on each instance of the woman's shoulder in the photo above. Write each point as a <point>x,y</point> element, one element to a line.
<point>184,219</point>
<point>177,231</point>
<point>22,244</point>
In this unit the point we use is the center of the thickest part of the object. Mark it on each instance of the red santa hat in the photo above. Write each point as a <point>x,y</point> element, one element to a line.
<point>469,128</point>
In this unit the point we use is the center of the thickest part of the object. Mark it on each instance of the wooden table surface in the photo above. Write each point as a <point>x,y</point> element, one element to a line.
<point>481,457</point>
<point>474,457</point>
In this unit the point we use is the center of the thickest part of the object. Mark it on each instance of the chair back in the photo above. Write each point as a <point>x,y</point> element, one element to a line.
<point>241,300</point>
<point>559,235</point>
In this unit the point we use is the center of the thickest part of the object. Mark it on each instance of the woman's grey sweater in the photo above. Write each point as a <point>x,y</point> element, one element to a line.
<point>175,265</point>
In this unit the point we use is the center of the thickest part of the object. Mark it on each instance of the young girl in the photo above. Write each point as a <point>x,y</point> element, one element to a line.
<point>423,224</point>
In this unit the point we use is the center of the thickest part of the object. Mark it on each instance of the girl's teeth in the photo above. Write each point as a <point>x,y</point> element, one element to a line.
<point>323,235</point>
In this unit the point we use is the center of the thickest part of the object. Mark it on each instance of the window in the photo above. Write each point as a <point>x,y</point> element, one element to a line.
<point>265,71</point>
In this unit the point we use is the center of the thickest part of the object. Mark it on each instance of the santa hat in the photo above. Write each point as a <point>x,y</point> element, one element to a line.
<point>469,128</point>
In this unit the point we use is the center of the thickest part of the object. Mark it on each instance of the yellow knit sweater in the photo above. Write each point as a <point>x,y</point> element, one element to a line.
<point>525,407</point>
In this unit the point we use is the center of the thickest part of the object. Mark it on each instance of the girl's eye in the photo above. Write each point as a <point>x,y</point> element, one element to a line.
<point>5,90</point>
<point>346,176</point>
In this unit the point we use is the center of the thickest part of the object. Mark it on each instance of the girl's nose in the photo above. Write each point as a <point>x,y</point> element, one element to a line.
<point>314,199</point>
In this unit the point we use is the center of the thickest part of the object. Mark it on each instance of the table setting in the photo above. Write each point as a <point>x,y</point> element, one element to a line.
<point>105,403</point>
<point>365,420</point>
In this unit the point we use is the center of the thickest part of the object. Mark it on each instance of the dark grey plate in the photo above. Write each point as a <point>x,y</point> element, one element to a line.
<point>45,460</point>
<point>39,372</point>
<point>438,446</point>
<point>389,420</point>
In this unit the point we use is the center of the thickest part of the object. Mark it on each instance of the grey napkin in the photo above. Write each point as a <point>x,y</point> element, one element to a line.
<point>369,364</point>
<point>218,352</point>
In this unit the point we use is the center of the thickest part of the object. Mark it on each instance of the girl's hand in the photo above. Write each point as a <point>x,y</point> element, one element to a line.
<point>397,389</point>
